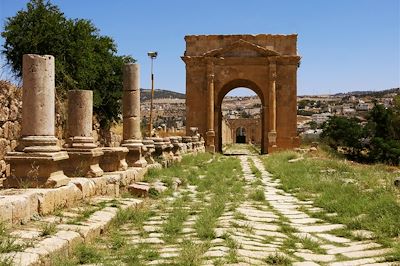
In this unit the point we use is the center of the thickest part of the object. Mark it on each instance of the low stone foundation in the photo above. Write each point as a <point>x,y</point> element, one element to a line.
<point>18,206</point>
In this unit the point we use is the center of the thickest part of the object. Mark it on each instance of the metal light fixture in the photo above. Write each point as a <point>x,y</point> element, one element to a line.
<point>152,55</point>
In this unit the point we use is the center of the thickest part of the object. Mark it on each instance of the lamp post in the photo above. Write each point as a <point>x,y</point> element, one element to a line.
<point>152,56</point>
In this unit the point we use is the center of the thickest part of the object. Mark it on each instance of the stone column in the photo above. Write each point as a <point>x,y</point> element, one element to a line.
<point>39,165</point>
<point>38,104</point>
<point>132,136</point>
<point>272,103</point>
<point>84,155</point>
<point>210,109</point>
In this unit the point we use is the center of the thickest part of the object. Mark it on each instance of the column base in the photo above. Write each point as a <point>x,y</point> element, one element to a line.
<point>83,162</point>
<point>272,139</point>
<point>134,157</point>
<point>210,149</point>
<point>36,170</point>
<point>210,143</point>
<point>114,159</point>
<point>148,155</point>
<point>39,144</point>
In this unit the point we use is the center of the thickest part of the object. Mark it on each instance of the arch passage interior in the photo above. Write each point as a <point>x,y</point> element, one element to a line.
<point>266,64</point>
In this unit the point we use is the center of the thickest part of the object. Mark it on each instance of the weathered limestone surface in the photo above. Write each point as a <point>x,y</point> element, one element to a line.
<point>39,163</point>
<point>84,155</point>
<point>131,116</point>
<point>114,159</point>
<point>150,149</point>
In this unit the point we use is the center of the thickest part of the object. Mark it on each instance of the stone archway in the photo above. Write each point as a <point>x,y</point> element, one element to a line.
<point>264,63</point>
<point>224,90</point>
<point>240,135</point>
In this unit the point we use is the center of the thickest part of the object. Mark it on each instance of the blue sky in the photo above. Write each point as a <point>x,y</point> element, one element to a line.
<point>345,44</point>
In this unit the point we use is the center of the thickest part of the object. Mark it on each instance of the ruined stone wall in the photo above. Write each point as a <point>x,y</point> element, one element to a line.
<point>10,121</point>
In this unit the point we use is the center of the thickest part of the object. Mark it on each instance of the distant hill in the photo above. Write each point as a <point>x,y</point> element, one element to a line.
<point>145,94</point>
<point>369,93</point>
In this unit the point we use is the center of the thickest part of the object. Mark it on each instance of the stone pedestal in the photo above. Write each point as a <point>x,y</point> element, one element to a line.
<point>210,141</point>
<point>39,163</point>
<point>114,159</point>
<point>149,144</point>
<point>83,162</point>
<point>202,145</point>
<point>160,151</point>
<point>84,155</point>
<point>272,139</point>
<point>168,150</point>
<point>188,141</point>
<point>176,149</point>
<point>183,147</point>
<point>132,136</point>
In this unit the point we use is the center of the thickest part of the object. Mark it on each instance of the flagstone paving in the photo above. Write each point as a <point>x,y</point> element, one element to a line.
<point>254,232</point>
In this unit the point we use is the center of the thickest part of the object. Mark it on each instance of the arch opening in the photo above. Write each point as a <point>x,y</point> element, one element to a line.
<point>240,118</point>
<point>241,135</point>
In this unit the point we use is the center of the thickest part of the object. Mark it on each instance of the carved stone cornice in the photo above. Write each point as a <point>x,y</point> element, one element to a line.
<point>288,60</point>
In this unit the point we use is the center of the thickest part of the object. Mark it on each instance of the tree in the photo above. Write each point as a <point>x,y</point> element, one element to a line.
<point>313,125</point>
<point>377,141</point>
<point>384,132</point>
<point>345,133</point>
<point>84,58</point>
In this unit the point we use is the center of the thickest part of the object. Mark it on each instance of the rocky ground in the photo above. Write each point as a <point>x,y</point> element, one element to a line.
<point>266,226</point>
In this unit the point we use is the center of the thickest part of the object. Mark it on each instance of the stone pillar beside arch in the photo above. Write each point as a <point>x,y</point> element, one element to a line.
<point>84,155</point>
<point>272,133</point>
<point>39,164</point>
<point>132,136</point>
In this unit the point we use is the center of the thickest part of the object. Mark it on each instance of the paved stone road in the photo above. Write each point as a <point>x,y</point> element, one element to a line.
<point>258,232</point>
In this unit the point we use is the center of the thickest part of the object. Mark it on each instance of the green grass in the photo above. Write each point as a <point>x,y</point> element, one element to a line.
<point>257,194</point>
<point>86,253</point>
<point>136,217</point>
<point>277,259</point>
<point>134,255</point>
<point>8,243</point>
<point>289,245</point>
<point>48,229</point>
<point>286,228</point>
<point>311,245</point>
<point>224,186</point>
<point>191,253</point>
<point>239,216</point>
<point>117,240</point>
<point>58,260</point>
<point>370,195</point>
<point>174,223</point>
<point>254,170</point>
